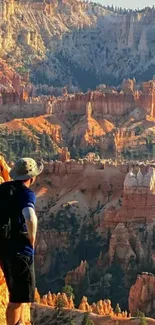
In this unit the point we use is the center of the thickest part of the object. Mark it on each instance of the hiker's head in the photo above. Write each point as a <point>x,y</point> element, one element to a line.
<point>26,170</point>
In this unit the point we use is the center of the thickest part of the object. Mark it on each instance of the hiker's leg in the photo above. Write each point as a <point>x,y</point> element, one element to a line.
<point>22,314</point>
<point>13,313</point>
<point>22,282</point>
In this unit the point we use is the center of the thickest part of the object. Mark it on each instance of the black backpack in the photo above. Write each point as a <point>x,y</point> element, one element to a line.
<point>9,209</point>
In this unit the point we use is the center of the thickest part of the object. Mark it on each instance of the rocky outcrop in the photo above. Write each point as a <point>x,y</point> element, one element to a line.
<point>65,155</point>
<point>109,103</point>
<point>102,307</point>
<point>131,220</point>
<point>142,295</point>
<point>120,247</point>
<point>138,198</point>
<point>77,276</point>
<point>13,87</point>
<point>52,300</point>
<point>4,170</point>
<point>136,187</point>
<point>42,311</point>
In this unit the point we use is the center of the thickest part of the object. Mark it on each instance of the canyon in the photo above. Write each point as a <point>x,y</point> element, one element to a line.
<point>108,204</point>
<point>65,101</point>
<point>109,219</point>
<point>86,213</point>
<point>96,211</point>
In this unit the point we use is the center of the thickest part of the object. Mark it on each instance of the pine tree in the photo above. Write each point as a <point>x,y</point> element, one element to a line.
<point>143,320</point>
<point>59,303</point>
<point>69,291</point>
<point>117,309</point>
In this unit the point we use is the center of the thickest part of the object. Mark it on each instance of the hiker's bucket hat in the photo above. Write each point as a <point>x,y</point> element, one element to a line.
<point>26,168</point>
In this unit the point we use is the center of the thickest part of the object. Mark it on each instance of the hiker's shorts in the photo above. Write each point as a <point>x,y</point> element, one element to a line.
<point>20,277</point>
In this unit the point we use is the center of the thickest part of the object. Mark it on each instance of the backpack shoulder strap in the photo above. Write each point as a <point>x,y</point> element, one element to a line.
<point>7,192</point>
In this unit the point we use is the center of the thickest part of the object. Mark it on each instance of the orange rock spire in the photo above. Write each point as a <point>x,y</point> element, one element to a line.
<point>4,170</point>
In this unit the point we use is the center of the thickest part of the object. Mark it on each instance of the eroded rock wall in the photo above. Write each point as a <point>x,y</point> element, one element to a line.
<point>72,32</point>
<point>142,294</point>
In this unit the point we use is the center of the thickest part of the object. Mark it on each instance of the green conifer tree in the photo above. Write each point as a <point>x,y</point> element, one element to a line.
<point>59,303</point>
<point>69,291</point>
<point>143,320</point>
<point>117,309</point>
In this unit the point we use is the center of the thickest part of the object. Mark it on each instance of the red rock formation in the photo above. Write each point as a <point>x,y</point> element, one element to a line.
<point>13,88</point>
<point>4,170</point>
<point>84,305</point>
<point>109,103</point>
<point>139,194</point>
<point>76,276</point>
<point>128,86</point>
<point>125,247</point>
<point>86,119</point>
<point>138,199</point>
<point>102,307</point>
<point>65,155</point>
<point>142,294</point>
<point>52,299</point>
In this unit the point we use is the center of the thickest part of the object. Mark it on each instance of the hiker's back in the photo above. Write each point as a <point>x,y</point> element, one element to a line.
<point>13,231</point>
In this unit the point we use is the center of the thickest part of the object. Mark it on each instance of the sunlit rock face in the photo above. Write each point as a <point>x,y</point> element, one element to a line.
<point>138,197</point>
<point>142,294</point>
<point>77,42</point>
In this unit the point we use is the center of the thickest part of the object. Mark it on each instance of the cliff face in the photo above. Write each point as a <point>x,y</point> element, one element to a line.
<point>74,189</point>
<point>109,103</point>
<point>132,239</point>
<point>15,92</point>
<point>75,277</point>
<point>79,42</point>
<point>109,226</point>
<point>138,196</point>
<point>142,294</point>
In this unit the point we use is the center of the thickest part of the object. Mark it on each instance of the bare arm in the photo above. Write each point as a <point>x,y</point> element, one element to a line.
<point>31,223</point>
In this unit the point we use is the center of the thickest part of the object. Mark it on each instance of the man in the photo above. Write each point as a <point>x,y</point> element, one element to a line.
<point>18,259</point>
